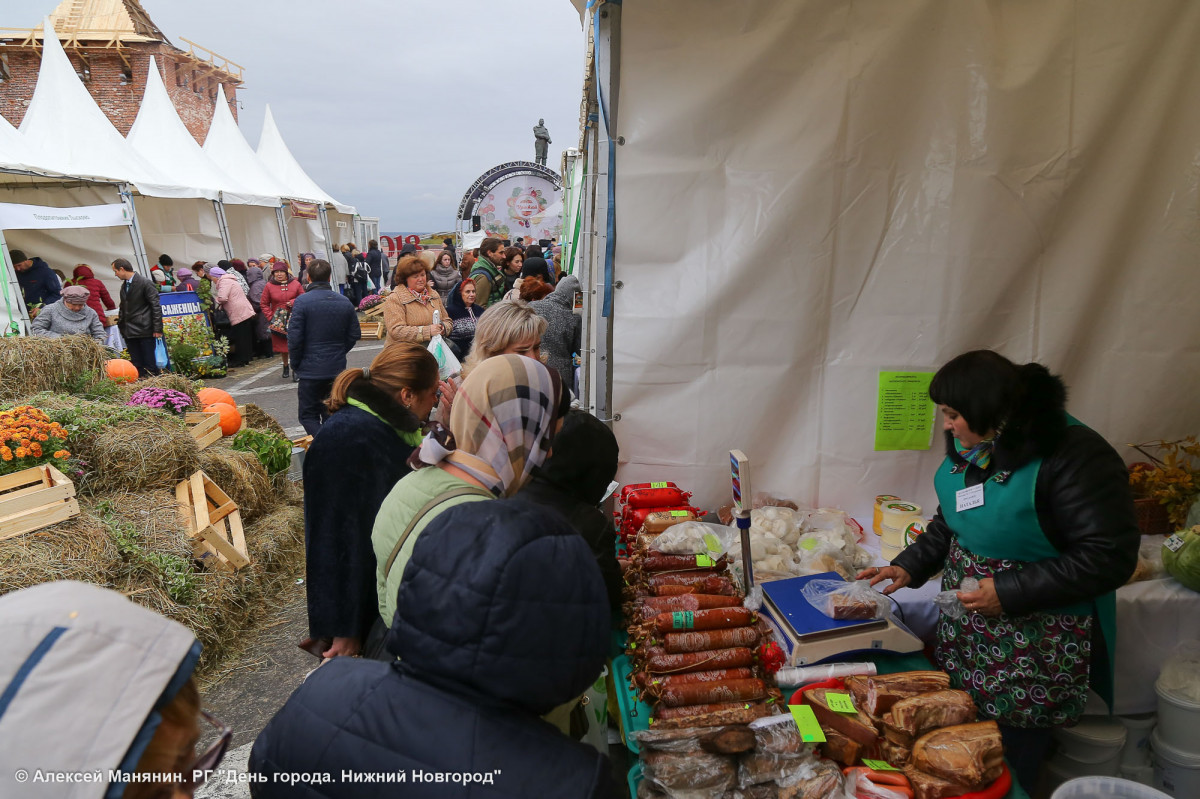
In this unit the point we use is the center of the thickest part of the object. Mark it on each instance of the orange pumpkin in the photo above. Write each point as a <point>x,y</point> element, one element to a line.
<point>208,396</point>
<point>231,419</point>
<point>120,370</point>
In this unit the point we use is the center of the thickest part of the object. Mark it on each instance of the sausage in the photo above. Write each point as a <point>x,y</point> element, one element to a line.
<point>690,582</point>
<point>688,602</point>
<point>710,715</point>
<point>657,682</point>
<point>655,561</point>
<point>711,692</point>
<point>710,639</point>
<point>663,497</point>
<point>714,619</point>
<point>683,711</point>
<point>662,662</point>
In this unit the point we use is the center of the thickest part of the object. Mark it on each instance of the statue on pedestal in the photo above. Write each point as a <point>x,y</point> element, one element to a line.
<point>541,142</point>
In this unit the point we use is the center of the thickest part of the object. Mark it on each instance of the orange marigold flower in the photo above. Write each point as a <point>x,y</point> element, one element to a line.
<point>22,452</point>
<point>43,437</point>
<point>36,449</point>
<point>62,453</point>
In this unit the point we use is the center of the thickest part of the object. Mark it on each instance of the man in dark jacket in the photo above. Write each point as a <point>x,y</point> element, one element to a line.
<point>141,317</point>
<point>501,617</point>
<point>375,260</point>
<point>573,482</point>
<point>38,282</point>
<point>322,329</point>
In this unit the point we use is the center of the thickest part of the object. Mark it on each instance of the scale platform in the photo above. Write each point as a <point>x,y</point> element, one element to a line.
<point>808,636</point>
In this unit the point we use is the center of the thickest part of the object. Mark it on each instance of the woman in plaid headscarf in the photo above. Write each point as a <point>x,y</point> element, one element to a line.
<point>503,420</point>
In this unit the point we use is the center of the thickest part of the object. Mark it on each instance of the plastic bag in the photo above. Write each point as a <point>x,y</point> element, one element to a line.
<point>160,354</point>
<point>842,600</point>
<point>113,340</point>
<point>948,601</point>
<point>697,538</point>
<point>817,556</point>
<point>694,775</point>
<point>784,770</point>
<point>1181,673</point>
<point>1181,556</point>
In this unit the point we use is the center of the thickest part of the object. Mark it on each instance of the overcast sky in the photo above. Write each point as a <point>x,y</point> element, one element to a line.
<point>394,106</point>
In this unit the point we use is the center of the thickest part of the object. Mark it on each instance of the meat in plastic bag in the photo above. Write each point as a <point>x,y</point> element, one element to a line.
<point>858,786</point>
<point>842,600</point>
<point>696,538</point>
<point>948,601</point>
<point>695,775</point>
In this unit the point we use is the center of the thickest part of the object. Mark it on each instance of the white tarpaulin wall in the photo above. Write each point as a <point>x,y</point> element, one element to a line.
<point>253,230</point>
<point>305,236</point>
<point>62,249</point>
<point>341,228</point>
<point>186,230</point>
<point>810,192</point>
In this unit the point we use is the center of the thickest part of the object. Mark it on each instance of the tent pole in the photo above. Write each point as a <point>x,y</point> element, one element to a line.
<point>135,231</point>
<point>283,234</point>
<point>16,320</point>
<point>324,217</point>
<point>223,226</point>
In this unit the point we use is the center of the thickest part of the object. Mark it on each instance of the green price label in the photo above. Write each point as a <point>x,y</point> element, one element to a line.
<point>658,485</point>
<point>879,765</point>
<point>711,543</point>
<point>683,620</point>
<point>704,561</point>
<point>806,722</point>
<point>678,513</point>
<point>840,703</point>
<point>808,543</point>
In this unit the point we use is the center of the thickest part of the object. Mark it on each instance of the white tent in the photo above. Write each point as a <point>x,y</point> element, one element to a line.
<point>66,132</point>
<point>14,153</point>
<point>251,229</point>
<point>809,193</point>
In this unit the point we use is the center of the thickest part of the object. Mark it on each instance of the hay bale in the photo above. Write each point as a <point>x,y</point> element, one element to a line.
<point>286,490</point>
<point>242,476</point>
<point>29,365</point>
<point>155,451</point>
<point>258,419</point>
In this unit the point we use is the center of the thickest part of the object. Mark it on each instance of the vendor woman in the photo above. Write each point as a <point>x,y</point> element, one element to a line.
<point>1036,506</point>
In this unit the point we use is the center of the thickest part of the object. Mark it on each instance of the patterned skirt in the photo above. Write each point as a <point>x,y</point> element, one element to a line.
<point>1022,671</point>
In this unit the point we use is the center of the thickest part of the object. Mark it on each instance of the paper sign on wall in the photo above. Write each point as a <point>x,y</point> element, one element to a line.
<point>904,413</point>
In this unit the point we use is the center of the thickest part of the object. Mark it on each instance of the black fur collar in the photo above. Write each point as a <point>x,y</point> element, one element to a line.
<point>1036,426</point>
<point>384,404</point>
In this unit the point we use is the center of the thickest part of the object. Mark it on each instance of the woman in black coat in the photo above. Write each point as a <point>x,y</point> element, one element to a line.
<point>1036,507</point>
<point>351,465</point>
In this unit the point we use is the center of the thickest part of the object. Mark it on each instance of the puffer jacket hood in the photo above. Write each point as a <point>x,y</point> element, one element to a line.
<point>584,460</point>
<point>502,602</point>
<point>83,673</point>
<point>83,273</point>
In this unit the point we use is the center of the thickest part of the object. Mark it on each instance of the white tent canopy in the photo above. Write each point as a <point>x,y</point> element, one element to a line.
<point>14,153</point>
<point>226,146</point>
<point>159,136</point>
<point>67,133</point>
<point>274,154</point>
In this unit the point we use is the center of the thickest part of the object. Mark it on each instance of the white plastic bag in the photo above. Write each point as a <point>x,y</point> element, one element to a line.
<point>948,601</point>
<point>448,365</point>
<point>841,600</point>
<point>1181,673</point>
<point>113,340</point>
<point>697,538</point>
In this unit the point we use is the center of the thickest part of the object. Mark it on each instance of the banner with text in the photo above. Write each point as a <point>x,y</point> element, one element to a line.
<point>14,216</point>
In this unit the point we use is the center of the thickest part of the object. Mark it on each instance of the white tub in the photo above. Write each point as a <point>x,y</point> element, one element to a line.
<point>1095,740</point>
<point>1176,772</point>
<point>1178,721</point>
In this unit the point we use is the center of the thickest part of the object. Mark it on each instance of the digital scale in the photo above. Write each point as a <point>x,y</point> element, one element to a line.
<point>805,634</point>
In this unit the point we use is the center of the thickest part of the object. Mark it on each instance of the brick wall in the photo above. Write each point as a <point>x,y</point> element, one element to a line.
<point>192,91</point>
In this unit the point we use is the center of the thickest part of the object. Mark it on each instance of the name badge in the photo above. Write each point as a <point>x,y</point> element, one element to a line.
<point>968,498</point>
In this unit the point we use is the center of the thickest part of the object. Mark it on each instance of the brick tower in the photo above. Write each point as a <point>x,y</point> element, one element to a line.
<point>110,42</point>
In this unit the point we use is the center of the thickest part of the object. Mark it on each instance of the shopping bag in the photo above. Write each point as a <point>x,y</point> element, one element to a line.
<point>448,365</point>
<point>279,321</point>
<point>160,353</point>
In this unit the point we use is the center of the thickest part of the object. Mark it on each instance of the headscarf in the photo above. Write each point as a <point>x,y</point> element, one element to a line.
<point>183,272</point>
<point>456,308</point>
<point>254,276</point>
<point>266,257</point>
<point>251,262</point>
<point>500,425</point>
<point>214,271</point>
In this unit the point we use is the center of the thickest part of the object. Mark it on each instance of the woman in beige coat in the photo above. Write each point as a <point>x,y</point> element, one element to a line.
<point>408,312</point>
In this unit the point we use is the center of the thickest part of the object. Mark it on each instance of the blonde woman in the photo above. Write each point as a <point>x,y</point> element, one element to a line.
<point>510,327</point>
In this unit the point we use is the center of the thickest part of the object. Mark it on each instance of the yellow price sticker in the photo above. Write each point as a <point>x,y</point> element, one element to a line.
<point>806,722</point>
<point>840,703</point>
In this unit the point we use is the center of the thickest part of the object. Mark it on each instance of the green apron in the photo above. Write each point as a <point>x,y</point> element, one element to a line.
<point>1006,527</point>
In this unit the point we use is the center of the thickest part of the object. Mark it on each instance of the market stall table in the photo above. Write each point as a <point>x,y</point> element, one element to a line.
<point>1153,617</point>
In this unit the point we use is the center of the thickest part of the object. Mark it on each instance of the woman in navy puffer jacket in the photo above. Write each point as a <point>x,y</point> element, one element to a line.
<point>501,617</point>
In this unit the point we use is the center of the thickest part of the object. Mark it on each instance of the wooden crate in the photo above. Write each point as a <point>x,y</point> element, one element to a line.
<point>375,312</point>
<point>371,330</point>
<point>35,498</point>
<point>302,443</point>
<point>204,426</point>
<point>214,523</point>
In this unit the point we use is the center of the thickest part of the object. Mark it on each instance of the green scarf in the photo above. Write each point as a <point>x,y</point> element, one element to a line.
<point>410,437</point>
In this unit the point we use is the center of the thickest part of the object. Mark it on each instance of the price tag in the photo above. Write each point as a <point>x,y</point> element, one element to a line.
<point>711,543</point>
<point>806,722</point>
<point>683,620</point>
<point>967,498</point>
<point>808,543</point>
<point>840,703</point>
<point>704,561</point>
<point>658,485</point>
<point>879,765</point>
<point>1173,543</point>
<point>678,514</point>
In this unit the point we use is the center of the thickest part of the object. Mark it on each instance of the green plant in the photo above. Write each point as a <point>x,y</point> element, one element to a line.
<point>1173,479</point>
<point>173,573</point>
<point>274,452</point>
<point>204,292</point>
<point>193,349</point>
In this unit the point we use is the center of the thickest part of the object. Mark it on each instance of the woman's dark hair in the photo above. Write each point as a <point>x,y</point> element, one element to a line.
<point>512,252</point>
<point>402,365</point>
<point>533,251</point>
<point>983,386</point>
<point>165,260</point>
